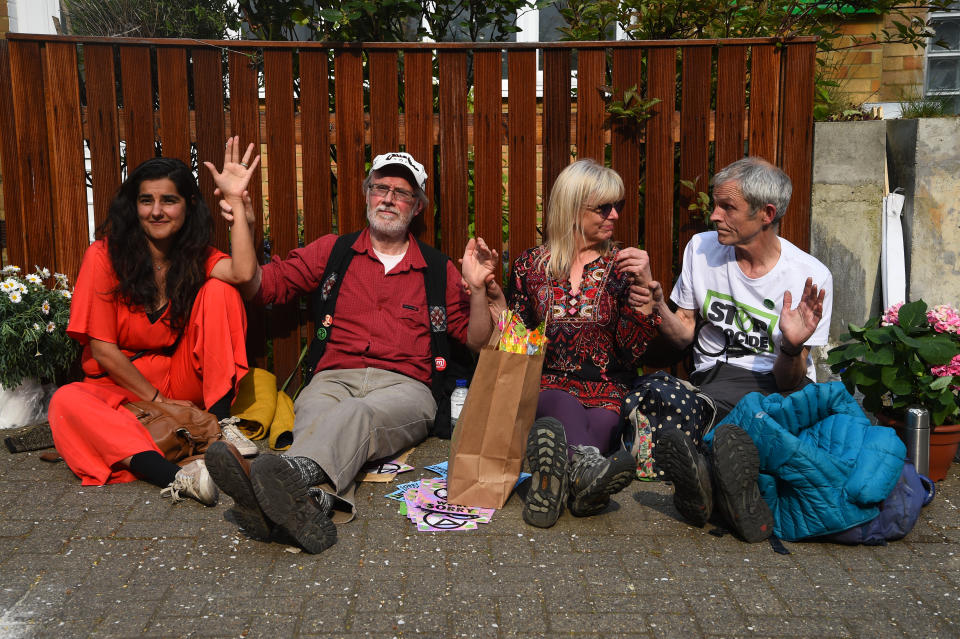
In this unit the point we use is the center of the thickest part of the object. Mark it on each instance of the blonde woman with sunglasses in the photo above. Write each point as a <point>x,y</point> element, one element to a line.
<point>579,282</point>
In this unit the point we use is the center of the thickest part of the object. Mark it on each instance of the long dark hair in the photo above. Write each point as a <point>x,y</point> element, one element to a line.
<point>127,243</point>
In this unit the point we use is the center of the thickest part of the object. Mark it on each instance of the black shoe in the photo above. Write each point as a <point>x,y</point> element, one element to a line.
<point>547,459</point>
<point>593,478</point>
<point>736,465</point>
<point>677,460</point>
<point>286,497</point>
<point>231,473</point>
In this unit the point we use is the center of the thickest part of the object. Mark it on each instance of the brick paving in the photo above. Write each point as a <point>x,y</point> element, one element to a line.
<point>119,561</point>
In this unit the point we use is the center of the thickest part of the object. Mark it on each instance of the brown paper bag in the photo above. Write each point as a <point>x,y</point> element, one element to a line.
<point>490,438</point>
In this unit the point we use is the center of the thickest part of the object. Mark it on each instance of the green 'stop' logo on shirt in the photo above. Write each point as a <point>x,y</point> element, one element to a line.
<point>749,330</point>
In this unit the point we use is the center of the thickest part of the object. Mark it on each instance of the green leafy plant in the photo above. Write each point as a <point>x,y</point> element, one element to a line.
<point>916,105</point>
<point>151,18</point>
<point>700,202</point>
<point>33,323</point>
<point>910,356</point>
<point>627,106</point>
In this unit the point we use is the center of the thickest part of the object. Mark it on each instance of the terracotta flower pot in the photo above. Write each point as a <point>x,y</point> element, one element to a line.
<point>944,441</point>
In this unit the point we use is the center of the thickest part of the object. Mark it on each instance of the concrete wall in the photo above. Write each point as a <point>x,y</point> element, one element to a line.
<point>849,161</point>
<point>925,161</point>
<point>849,169</point>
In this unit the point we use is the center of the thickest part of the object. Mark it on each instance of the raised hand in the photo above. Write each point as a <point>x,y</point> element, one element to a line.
<point>798,324</point>
<point>236,174</point>
<point>479,264</point>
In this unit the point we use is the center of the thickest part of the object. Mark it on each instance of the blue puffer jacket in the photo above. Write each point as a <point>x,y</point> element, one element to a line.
<point>823,466</point>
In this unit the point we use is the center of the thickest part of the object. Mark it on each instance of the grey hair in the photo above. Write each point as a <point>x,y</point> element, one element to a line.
<point>760,183</point>
<point>421,196</point>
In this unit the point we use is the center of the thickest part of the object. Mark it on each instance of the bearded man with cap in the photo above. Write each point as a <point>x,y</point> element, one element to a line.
<point>370,395</point>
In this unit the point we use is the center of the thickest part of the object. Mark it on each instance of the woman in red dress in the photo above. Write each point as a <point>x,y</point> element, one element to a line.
<point>159,320</point>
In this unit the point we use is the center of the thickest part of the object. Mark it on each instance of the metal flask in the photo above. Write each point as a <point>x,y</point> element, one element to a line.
<point>917,431</point>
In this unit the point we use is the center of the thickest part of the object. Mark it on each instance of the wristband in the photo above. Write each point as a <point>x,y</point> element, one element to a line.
<point>789,353</point>
<point>155,395</point>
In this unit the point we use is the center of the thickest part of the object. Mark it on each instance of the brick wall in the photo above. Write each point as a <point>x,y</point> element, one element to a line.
<point>874,72</point>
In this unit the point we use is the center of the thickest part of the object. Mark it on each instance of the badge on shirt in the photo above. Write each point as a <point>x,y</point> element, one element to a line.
<point>327,321</point>
<point>321,333</point>
<point>440,363</point>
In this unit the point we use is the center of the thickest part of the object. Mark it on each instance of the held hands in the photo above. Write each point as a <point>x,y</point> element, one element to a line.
<point>478,265</point>
<point>479,271</point>
<point>226,210</point>
<point>233,180</point>
<point>642,294</point>
<point>798,324</point>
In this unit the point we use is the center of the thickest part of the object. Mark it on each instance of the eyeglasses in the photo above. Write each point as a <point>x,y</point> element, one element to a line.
<point>604,210</point>
<point>400,195</point>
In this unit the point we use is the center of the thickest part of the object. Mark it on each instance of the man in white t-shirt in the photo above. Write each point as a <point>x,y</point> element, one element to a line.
<point>753,305</point>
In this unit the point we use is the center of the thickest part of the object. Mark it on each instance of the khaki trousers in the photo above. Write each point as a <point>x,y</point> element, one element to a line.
<point>345,418</point>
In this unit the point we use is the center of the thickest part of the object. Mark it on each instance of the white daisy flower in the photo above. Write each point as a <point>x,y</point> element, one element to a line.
<point>66,294</point>
<point>61,279</point>
<point>8,285</point>
<point>21,287</point>
<point>33,278</point>
<point>45,307</point>
<point>50,327</point>
<point>45,272</point>
<point>10,269</point>
<point>15,297</point>
<point>36,326</point>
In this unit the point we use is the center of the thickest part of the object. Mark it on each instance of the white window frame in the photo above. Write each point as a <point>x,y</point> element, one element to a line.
<point>934,52</point>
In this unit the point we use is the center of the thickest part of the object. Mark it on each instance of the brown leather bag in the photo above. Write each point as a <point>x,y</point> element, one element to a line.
<point>180,432</point>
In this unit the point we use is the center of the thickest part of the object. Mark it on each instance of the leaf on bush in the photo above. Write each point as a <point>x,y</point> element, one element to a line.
<point>937,350</point>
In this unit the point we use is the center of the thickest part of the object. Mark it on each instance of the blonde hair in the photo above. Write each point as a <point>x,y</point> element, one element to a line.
<point>579,182</point>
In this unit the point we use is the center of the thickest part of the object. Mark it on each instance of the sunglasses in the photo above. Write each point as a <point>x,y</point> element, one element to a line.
<point>604,210</point>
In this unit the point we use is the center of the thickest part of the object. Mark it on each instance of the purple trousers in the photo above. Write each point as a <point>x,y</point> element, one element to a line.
<point>583,426</point>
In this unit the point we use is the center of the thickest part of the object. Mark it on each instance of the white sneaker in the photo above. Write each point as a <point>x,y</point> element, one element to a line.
<point>193,481</point>
<point>232,435</point>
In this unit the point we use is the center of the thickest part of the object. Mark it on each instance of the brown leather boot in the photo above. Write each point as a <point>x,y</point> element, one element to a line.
<point>231,472</point>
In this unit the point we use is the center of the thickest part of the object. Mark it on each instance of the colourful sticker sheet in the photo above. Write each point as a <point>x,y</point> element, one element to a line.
<point>427,507</point>
<point>440,469</point>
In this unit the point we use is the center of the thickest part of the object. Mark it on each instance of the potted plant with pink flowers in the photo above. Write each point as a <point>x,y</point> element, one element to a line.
<point>910,356</point>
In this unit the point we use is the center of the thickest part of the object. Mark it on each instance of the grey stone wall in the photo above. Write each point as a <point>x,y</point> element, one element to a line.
<point>850,165</point>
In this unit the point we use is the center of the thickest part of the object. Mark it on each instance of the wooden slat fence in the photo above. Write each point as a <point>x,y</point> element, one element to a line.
<point>493,123</point>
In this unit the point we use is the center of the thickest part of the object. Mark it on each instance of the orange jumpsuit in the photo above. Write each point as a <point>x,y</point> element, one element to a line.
<point>91,429</point>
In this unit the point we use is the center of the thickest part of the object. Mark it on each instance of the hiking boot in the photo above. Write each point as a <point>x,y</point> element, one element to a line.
<point>284,493</point>
<point>233,435</point>
<point>593,478</point>
<point>736,464</point>
<point>231,472</point>
<point>677,460</point>
<point>547,459</point>
<point>193,481</point>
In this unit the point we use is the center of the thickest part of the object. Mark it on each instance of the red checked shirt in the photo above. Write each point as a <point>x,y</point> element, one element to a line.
<point>381,318</point>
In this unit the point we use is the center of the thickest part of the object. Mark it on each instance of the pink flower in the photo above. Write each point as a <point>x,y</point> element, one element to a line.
<point>944,319</point>
<point>951,368</point>
<point>891,315</point>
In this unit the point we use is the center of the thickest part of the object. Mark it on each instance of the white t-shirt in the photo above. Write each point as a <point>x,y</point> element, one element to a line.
<point>389,261</point>
<point>746,310</point>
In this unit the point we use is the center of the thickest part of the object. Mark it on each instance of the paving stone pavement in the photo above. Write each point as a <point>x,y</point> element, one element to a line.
<point>119,561</point>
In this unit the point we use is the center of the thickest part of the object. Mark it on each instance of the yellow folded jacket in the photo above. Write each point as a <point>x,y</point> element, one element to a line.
<point>281,428</point>
<point>257,402</point>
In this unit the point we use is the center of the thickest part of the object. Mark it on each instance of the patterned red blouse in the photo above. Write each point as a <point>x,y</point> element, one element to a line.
<point>595,340</point>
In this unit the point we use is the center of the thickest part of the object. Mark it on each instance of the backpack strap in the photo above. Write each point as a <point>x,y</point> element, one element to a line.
<point>323,301</point>
<point>435,282</point>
